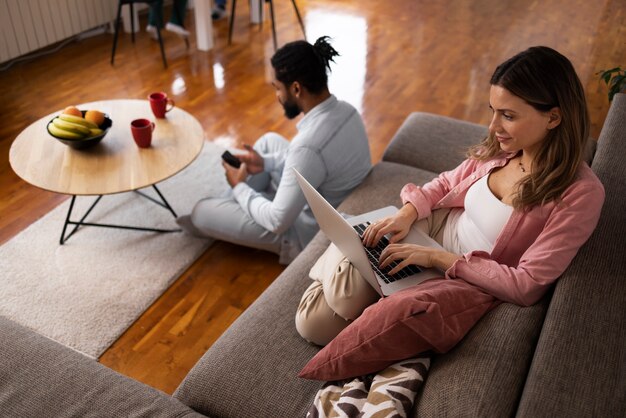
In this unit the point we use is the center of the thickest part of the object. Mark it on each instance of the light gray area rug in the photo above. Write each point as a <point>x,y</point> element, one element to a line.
<point>87,292</point>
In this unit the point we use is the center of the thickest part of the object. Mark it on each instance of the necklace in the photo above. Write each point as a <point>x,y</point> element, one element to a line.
<point>521,165</point>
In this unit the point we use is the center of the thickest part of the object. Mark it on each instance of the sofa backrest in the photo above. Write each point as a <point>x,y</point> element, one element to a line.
<point>579,366</point>
<point>432,142</point>
<point>438,143</point>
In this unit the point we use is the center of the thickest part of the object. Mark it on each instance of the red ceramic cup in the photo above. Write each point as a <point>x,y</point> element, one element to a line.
<point>159,103</point>
<point>142,132</point>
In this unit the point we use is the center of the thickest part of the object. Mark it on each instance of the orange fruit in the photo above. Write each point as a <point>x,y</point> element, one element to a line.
<point>95,116</point>
<point>73,110</point>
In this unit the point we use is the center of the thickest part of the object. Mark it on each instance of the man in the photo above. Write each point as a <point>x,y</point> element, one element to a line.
<point>176,23</point>
<point>219,10</point>
<point>265,208</point>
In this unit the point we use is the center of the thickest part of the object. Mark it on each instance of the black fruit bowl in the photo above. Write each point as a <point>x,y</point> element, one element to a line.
<point>84,142</point>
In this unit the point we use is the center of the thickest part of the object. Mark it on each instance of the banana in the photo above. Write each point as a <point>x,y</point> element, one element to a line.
<point>95,132</point>
<point>62,133</point>
<point>72,127</point>
<point>77,120</point>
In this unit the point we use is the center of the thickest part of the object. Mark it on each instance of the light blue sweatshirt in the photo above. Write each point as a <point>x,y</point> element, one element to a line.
<point>331,151</point>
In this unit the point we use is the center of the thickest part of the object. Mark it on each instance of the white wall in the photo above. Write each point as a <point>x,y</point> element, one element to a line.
<point>28,25</point>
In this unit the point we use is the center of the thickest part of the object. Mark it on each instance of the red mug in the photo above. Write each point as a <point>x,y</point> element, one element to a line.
<point>159,102</point>
<point>142,132</point>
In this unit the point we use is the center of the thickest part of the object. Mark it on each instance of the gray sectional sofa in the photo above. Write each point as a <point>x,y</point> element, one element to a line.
<point>564,356</point>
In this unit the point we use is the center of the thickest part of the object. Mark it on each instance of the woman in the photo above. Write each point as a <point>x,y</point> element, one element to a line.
<point>511,217</point>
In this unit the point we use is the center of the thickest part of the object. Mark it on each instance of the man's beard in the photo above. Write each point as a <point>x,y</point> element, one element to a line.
<point>291,109</point>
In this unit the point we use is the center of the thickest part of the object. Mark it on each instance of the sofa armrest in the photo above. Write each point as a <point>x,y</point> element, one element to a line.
<point>42,378</point>
<point>433,143</point>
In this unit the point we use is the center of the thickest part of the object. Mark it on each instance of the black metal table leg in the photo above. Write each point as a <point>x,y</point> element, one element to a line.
<point>167,205</point>
<point>79,223</point>
<point>82,222</point>
<point>162,203</point>
<point>67,219</point>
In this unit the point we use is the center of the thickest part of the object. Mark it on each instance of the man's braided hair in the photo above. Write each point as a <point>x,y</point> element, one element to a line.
<point>305,63</point>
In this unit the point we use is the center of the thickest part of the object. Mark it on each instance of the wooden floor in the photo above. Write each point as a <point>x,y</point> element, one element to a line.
<point>397,57</point>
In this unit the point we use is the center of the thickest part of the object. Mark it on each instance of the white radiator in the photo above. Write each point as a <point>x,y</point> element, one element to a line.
<point>28,25</point>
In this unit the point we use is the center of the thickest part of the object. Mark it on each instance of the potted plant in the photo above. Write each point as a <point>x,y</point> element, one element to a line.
<point>615,79</point>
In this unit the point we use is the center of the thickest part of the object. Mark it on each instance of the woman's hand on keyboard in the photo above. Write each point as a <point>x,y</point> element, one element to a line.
<point>406,254</point>
<point>397,225</point>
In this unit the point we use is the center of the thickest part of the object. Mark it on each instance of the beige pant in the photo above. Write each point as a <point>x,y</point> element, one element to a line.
<point>339,294</point>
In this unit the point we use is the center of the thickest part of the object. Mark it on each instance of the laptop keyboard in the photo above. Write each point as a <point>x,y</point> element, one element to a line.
<point>373,254</point>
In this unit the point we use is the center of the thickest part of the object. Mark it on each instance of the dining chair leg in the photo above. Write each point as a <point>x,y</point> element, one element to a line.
<point>158,27</point>
<point>295,7</point>
<point>232,21</point>
<point>117,30</point>
<point>132,23</point>
<point>273,24</point>
<point>182,24</point>
<point>158,31</point>
<point>271,2</point>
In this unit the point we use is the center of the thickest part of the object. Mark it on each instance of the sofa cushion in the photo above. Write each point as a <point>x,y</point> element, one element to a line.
<point>432,316</point>
<point>484,375</point>
<point>382,187</point>
<point>41,378</point>
<point>432,142</point>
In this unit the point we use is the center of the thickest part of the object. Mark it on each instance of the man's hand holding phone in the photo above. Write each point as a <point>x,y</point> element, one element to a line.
<point>253,160</point>
<point>239,167</point>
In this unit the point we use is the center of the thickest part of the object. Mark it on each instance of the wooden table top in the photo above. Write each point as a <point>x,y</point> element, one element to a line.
<point>114,165</point>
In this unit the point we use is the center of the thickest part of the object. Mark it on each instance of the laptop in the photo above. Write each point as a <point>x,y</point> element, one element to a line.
<point>346,235</point>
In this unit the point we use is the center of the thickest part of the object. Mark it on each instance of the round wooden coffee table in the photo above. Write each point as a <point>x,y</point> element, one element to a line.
<point>114,165</point>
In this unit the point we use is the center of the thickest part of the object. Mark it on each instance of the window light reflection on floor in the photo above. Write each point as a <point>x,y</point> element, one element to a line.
<point>179,86</point>
<point>218,76</point>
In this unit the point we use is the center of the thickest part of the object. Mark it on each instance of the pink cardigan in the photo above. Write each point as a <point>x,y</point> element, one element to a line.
<point>534,247</point>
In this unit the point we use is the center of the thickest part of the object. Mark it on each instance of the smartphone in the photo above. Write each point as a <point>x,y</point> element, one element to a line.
<point>231,159</point>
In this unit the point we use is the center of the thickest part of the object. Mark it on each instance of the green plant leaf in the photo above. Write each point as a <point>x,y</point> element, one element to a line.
<point>615,79</point>
<point>617,83</point>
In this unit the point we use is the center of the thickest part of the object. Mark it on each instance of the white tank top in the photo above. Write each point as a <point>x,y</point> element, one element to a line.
<point>478,225</point>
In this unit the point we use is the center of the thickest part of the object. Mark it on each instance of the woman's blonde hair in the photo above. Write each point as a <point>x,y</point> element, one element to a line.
<point>544,79</point>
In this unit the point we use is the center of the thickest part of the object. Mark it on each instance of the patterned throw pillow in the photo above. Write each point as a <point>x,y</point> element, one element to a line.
<point>390,393</point>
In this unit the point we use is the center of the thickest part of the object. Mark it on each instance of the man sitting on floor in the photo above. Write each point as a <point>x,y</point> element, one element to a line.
<point>265,208</point>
